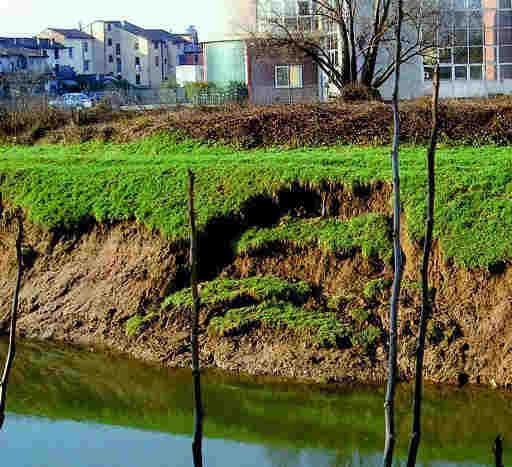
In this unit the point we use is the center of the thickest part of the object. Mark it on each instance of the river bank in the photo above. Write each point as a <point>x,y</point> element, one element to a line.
<point>295,266</point>
<point>105,287</point>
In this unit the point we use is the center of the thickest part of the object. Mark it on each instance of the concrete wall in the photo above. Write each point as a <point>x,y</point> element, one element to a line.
<point>225,61</point>
<point>471,88</point>
<point>231,18</point>
<point>189,74</point>
<point>412,83</point>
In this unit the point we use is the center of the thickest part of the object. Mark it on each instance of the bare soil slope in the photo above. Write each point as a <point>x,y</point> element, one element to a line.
<point>86,286</point>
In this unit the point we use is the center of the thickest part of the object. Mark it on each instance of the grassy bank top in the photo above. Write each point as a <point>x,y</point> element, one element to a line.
<point>146,181</point>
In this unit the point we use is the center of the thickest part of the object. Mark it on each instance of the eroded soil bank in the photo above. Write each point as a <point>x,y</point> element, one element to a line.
<point>84,287</point>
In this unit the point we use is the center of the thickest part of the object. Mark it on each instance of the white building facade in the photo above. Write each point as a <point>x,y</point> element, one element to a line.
<point>143,57</point>
<point>76,50</point>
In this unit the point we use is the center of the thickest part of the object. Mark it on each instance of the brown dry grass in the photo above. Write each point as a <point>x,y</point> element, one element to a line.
<point>479,121</point>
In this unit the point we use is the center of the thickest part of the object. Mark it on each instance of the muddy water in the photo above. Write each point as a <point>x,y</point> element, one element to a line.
<point>70,407</point>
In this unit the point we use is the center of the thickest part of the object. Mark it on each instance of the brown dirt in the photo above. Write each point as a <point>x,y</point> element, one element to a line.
<point>83,288</point>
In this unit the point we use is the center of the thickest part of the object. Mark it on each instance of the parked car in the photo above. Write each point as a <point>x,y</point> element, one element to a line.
<point>72,101</point>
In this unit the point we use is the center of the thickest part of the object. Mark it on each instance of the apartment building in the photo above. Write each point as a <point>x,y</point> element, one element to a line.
<point>17,57</point>
<point>474,38</point>
<point>75,50</point>
<point>271,76</point>
<point>143,57</point>
<point>189,57</point>
<point>475,48</point>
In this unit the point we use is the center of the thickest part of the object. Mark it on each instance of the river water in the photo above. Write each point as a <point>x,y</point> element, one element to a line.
<point>70,407</point>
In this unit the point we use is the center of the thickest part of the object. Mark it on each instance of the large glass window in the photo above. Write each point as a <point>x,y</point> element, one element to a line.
<point>462,36</point>
<point>477,35</point>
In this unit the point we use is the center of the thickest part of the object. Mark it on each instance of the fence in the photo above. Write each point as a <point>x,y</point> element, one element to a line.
<point>219,98</point>
<point>268,95</point>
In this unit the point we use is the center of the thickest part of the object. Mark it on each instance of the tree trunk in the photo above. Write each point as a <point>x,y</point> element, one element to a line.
<point>11,351</point>
<point>426,304</point>
<point>389,405</point>
<point>196,373</point>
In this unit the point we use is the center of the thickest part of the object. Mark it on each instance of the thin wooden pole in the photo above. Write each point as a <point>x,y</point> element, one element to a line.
<point>11,351</point>
<point>426,303</point>
<point>197,449</point>
<point>498,451</point>
<point>389,405</point>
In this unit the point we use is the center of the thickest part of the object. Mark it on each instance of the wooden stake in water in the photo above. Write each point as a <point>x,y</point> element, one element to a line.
<point>389,405</point>
<point>196,303</point>
<point>11,351</point>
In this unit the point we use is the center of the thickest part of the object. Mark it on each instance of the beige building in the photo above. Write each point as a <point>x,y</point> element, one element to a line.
<point>143,57</point>
<point>77,50</point>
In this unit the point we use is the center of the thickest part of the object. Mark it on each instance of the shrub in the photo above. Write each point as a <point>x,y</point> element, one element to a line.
<point>356,92</point>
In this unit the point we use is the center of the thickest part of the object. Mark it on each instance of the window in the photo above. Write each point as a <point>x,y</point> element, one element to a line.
<point>109,27</point>
<point>109,42</point>
<point>155,45</point>
<point>137,79</point>
<point>118,49</point>
<point>119,66</point>
<point>70,52</point>
<point>86,46</point>
<point>86,66</point>
<point>288,76</point>
<point>137,61</point>
<point>110,59</point>
<point>56,54</point>
<point>136,45</point>
<point>57,68</point>
<point>157,61</point>
<point>303,8</point>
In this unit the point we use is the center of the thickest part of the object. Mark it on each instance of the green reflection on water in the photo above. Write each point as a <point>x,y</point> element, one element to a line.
<point>67,383</point>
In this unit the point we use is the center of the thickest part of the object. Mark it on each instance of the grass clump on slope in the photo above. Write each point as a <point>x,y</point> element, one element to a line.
<point>368,232</point>
<point>262,300</point>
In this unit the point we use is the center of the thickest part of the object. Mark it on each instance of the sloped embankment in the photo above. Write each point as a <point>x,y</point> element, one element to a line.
<point>297,294</point>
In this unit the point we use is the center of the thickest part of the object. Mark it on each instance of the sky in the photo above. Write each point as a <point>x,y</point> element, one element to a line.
<point>29,17</point>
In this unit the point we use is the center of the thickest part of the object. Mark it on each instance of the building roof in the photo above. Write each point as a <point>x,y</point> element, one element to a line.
<point>71,33</point>
<point>151,34</point>
<point>20,51</point>
<point>33,43</point>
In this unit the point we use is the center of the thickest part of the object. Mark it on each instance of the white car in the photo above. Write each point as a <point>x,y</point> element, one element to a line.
<point>72,101</point>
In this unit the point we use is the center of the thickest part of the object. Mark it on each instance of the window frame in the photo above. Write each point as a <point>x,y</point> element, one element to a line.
<point>289,67</point>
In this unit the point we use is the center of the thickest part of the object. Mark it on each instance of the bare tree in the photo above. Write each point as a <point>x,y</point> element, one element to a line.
<point>197,448</point>
<point>427,300</point>
<point>11,351</point>
<point>397,252</point>
<point>364,55</point>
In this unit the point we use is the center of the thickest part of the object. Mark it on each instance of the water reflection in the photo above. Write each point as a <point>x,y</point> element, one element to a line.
<point>250,421</point>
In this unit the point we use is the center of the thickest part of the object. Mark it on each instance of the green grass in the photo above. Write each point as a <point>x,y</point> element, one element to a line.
<point>135,324</point>
<point>253,289</point>
<point>324,326</point>
<point>369,232</point>
<point>259,300</point>
<point>61,186</point>
<point>375,287</point>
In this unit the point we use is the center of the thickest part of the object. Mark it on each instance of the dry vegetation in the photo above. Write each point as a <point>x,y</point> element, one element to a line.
<point>472,122</point>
